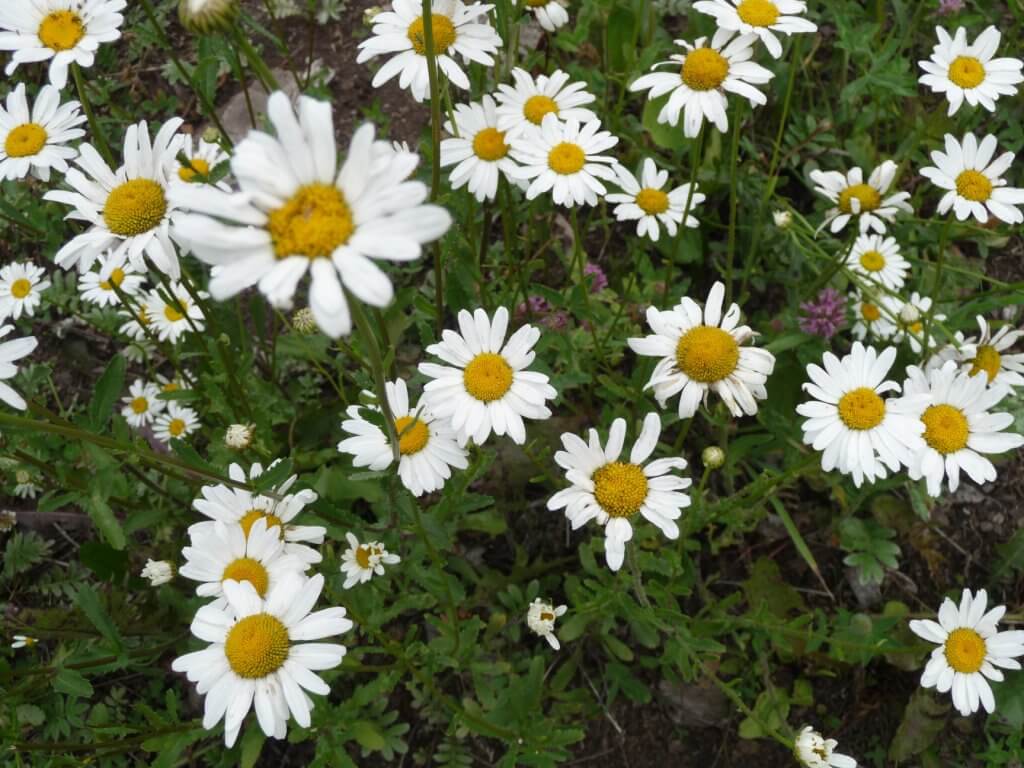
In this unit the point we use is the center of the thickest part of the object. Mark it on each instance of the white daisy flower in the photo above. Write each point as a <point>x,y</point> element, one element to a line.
<point>8,519</point>
<point>238,437</point>
<point>763,18</point>
<point>541,616</point>
<point>230,505</point>
<point>910,317</point>
<point>361,562</point>
<point>878,259</point>
<point>550,14</point>
<point>24,487</point>
<point>859,432</point>
<point>702,77</point>
<point>23,641</point>
<point>456,28</point>
<point>97,286</point>
<point>176,423</point>
<point>35,141</point>
<point>158,572</point>
<point>141,404</point>
<point>702,352</point>
<point>486,386</point>
<point>10,351</point>
<point>867,202</point>
<point>973,180</point>
<point>646,203</point>
<point>297,212</point>
<point>58,31</point>
<point>953,408</point>
<point>135,326</point>
<point>782,219</point>
<point>873,314</point>
<point>169,320</point>
<point>427,445</point>
<point>529,100</point>
<point>203,157</point>
<point>21,288</point>
<point>257,658</point>
<point>970,649</point>
<point>478,150</point>
<point>128,210</point>
<point>613,492</point>
<point>967,72</point>
<point>815,751</point>
<point>990,354</point>
<point>565,158</point>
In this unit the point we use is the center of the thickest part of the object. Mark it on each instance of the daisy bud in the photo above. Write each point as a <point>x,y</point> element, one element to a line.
<point>713,457</point>
<point>239,436</point>
<point>909,314</point>
<point>8,519</point>
<point>203,16</point>
<point>212,135</point>
<point>158,572</point>
<point>303,322</point>
<point>782,219</point>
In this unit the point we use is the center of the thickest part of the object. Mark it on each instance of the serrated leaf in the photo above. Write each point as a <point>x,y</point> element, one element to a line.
<point>106,522</point>
<point>72,683</point>
<point>274,476</point>
<point>88,602</point>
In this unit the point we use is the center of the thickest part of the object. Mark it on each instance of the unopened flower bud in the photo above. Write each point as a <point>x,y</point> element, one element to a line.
<point>303,321</point>
<point>158,572</point>
<point>238,436</point>
<point>713,457</point>
<point>204,16</point>
<point>212,135</point>
<point>782,219</point>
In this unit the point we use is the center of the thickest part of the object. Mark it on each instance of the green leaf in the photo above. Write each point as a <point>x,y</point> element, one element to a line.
<point>252,745</point>
<point>923,720</point>
<point>72,683</point>
<point>768,716</point>
<point>664,135</point>
<point>106,393</point>
<point>29,714</point>
<point>274,476</point>
<point>622,32</point>
<point>88,601</point>
<point>368,735</point>
<point>1011,556</point>
<point>105,520</point>
<point>765,588</point>
<point>798,540</point>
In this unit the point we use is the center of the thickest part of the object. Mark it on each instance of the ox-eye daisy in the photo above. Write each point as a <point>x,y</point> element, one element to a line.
<point>21,288</point>
<point>36,141</point>
<point>550,14</point>
<point>10,351</point>
<point>541,617</point>
<point>815,751</point>
<point>565,158</point>
<point>763,18</point>
<point>878,259</point>
<point>702,352</point>
<point>478,150</point>
<point>646,203</point>
<point>705,73</point>
<point>614,492</point>
<point>973,180</point>
<point>970,649</point>
<point>910,322</point>
<point>59,31</point>
<point>297,212</point>
<point>426,445</point>
<point>170,319</point>
<point>989,354</point>
<point>529,100</point>
<point>867,202</point>
<point>142,404</point>
<point>953,407</point>
<point>361,562</point>
<point>257,658</point>
<point>486,385</point>
<point>874,313</point>
<point>859,432</point>
<point>967,72</point>
<point>457,29</point>
<point>176,423</point>
<point>196,161</point>
<point>97,286</point>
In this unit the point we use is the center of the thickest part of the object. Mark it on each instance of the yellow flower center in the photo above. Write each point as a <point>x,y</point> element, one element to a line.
<point>861,409</point>
<point>173,314</point>
<point>25,140</point>
<point>135,207</point>
<point>916,328</point>
<point>566,158</point>
<point>945,428</point>
<point>547,616</point>
<point>864,193</point>
<point>170,386</point>
<point>487,377</point>
<point>758,13</point>
<point>363,555</point>
<point>313,223</point>
<point>116,278</point>
<point>974,186</point>
<point>537,3</point>
<point>257,645</point>
<point>443,34</point>
<point>967,72</point>
<point>707,354</point>
<point>870,312</point>
<point>247,569</point>
<point>965,650</point>
<point>140,405</point>
<point>704,69</point>
<point>537,106</point>
<point>872,261</point>
<point>413,435</point>
<point>61,30</point>
<point>652,201</point>
<point>249,519</point>
<point>987,359</point>
<point>21,288</point>
<point>620,488</point>
<point>197,168</point>
<point>176,427</point>
<point>489,144</point>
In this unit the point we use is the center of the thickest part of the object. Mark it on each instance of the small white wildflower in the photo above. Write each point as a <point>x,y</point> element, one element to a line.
<point>541,618</point>
<point>158,572</point>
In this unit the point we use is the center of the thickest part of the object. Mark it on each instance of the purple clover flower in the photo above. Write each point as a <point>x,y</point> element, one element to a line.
<point>825,315</point>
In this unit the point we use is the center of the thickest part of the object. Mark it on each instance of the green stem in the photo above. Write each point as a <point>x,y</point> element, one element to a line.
<point>435,558</point>
<point>259,66</point>
<point>98,138</point>
<point>733,198</point>
<point>940,260</point>
<point>435,142</point>
<point>376,362</point>
<point>695,159</point>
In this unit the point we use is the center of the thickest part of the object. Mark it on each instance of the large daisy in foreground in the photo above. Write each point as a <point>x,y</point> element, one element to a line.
<point>968,72</point>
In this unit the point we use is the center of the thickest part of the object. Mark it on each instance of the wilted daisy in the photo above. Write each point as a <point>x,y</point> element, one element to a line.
<point>859,432</point>
<point>457,29</point>
<point>478,149</point>
<point>815,751</point>
<point>427,446</point>
<point>613,492</point>
<point>8,519</point>
<point>128,210</point>
<point>550,14</point>
<point>25,486</point>
<point>873,314</point>
<point>646,203</point>
<point>566,159</point>
<point>967,72</point>
<point>705,73</point>
<point>296,213</point>
<point>782,219</point>
<point>970,649</point>
<point>702,352</point>
<point>989,354</point>
<point>530,99</point>
<point>97,286</point>
<point>196,160</point>
<point>58,31</point>
<point>953,407</point>
<point>541,616</point>
<point>763,18</point>
<point>10,351</point>
<point>867,202</point>
<point>158,572</point>
<point>910,322</point>
<point>21,288</point>
<point>973,180</point>
<point>168,320</point>
<point>361,562</point>
<point>35,141</point>
<point>878,259</point>
<point>486,385</point>
<point>238,437</point>
<point>23,641</point>
<point>257,658</point>
<point>176,423</point>
<point>141,404</point>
